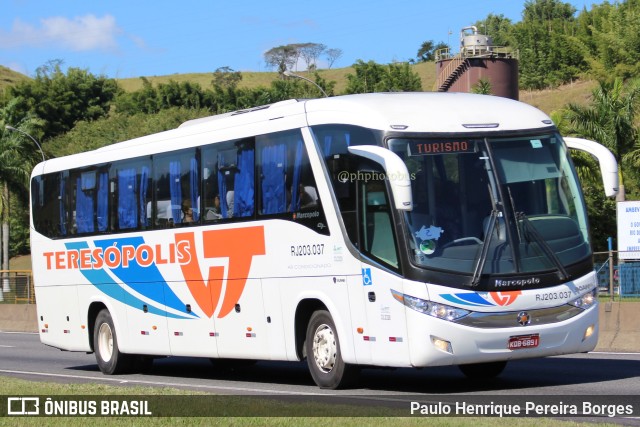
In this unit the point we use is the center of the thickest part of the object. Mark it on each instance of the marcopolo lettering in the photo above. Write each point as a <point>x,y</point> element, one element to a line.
<point>517,282</point>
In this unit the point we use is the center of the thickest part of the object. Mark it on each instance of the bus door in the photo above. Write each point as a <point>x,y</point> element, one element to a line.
<point>386,331</point>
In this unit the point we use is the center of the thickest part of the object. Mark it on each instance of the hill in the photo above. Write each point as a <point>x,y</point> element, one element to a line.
<point>547,100</point>
<point>252,79</point>
<point>8,77</point>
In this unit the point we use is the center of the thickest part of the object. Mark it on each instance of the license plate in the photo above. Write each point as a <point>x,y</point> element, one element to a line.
<point>523,341</point>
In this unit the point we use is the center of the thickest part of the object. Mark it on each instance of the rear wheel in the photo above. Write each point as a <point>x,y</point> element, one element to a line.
<point>324,359</point>
<point>482,371</point>
<point>105,344</point>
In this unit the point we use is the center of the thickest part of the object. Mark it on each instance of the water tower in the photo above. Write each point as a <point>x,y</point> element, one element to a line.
<point>477,60</point>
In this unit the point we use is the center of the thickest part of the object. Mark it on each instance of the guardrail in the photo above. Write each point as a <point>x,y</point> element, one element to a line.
<point>17,287</point>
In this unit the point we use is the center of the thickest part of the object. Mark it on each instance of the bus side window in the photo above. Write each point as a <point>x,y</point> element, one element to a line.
<point>177,189</point>
<point>47,204</point>
<point>228,180</point>
<point>286,184</point>
<point>286,180</point>
<point>130,183</point>
<point>92,201</point>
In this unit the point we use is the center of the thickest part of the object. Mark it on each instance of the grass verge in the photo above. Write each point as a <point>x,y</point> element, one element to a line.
<point>17,387</point>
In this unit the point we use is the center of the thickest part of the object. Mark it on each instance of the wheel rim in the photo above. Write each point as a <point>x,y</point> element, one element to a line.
<point>325,348</point>
<point>105,342</point>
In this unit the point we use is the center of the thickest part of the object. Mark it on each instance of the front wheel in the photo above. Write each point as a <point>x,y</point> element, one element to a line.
<point>105,344</point>
<point>482,371</point>
<point>323,354</point>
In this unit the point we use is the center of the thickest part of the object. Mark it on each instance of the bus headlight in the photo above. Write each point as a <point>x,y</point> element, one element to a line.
<point>587,300</point>
<point>440,311</point>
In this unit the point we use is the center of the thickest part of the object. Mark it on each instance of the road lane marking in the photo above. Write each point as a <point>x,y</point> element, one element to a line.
<point>7,346</point>
<point>161,383</point>
<point>25,333</point>
<point>614,353</point>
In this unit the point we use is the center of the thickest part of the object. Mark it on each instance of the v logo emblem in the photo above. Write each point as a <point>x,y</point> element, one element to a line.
<point>239,245</point>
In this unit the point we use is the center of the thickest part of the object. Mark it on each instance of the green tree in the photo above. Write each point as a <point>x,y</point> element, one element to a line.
<point>609,120</point>
<point>428,50</point>
<point>425,53</point>
<point>549,55</point>
<point>498,27</point>
<point>611,34</point>
<point>60,99</point>
<point>118,127</point>
<point>226,77</point>
<point>399,77</point>
<point>373,77</point>
<point>282,58</point>
<point>366,78</point>
<point>332,55</point>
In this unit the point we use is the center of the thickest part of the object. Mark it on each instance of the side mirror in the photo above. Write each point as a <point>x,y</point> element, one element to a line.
<point>395,170</point>
<point>607,161</point>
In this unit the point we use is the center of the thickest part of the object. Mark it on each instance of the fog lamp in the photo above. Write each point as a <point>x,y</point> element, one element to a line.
<point>588,332</point>
<point>442,344</point>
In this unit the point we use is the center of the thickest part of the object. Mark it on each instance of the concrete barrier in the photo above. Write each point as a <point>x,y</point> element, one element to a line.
<point>18,318</point>
<point>619,327</point>
<point>619,324</point>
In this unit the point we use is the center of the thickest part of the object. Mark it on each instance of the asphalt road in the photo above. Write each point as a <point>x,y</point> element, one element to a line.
<point>593,374</point>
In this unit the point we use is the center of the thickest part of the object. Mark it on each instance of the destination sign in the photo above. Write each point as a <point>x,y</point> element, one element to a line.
<point>423,148</point>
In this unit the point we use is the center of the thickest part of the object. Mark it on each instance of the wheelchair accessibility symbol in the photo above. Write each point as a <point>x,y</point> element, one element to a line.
<point>366,277</point>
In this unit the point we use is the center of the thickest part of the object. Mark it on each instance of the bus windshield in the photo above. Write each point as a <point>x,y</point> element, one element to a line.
<point>486,206</point>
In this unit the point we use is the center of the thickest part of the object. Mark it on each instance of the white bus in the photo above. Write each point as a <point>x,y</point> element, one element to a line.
<point>397,230</point>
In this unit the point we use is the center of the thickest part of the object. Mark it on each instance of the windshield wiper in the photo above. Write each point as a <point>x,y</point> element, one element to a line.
<point>482,259</point>
<point>530,231</point>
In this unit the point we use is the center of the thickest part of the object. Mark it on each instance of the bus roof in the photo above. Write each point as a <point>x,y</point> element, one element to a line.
<point>427,112</point>
<point>410,112</point>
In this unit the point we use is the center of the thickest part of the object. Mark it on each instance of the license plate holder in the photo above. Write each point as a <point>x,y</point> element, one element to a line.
<point>520,342</point>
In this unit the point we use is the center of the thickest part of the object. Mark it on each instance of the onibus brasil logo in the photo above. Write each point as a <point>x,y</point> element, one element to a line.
<point>135,264</point>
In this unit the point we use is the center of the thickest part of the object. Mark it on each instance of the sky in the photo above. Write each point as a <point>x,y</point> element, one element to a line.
<point>123,39</point>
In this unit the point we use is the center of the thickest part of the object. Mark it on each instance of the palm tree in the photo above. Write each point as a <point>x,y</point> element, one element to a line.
<point>586,166</point>
<point>18,155</point>
<point>609,120</point>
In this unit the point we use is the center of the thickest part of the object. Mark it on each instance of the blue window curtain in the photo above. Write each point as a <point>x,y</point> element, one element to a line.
<point>84,207</point>
<point>244,184</point>
<point>336,143</point>
<point>63,209</point>
<point>222,190</point>
<point>295,184</point>
<point>127,208</point>
<point>274,166</point>
<point>176,191</point>
<point>103,201</point>
<point>327,145</point>
<point>195,189</point>
<point>144,188</point>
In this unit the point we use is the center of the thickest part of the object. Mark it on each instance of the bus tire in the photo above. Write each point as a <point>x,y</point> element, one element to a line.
<point>105,344</point>
<point>483,371</point>
<point>324,359</point>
